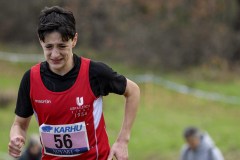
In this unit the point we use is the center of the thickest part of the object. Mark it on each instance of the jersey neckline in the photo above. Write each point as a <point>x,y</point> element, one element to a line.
<point>69,89</point>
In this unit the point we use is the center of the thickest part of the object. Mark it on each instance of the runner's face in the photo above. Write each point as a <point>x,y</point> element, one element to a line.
<point>58,53</point>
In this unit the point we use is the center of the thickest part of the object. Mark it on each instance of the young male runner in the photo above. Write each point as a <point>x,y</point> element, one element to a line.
<point>65,95</point>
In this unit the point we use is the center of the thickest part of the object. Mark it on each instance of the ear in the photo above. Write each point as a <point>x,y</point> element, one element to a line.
<point>75,40</point>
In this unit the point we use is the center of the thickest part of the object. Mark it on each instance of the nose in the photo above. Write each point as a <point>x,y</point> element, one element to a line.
<point>55,53</point>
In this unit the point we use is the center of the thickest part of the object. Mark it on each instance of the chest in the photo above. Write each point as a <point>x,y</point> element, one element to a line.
<point>203,155</point>
<point>69,107</point>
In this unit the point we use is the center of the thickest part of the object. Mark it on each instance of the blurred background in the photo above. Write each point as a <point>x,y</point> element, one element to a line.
<point>184,54</point>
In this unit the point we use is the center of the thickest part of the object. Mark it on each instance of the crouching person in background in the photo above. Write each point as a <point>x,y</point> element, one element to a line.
<point>199,146</point>
<point>33,150</point>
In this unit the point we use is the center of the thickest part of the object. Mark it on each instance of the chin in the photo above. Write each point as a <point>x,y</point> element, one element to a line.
<point>56,66</point>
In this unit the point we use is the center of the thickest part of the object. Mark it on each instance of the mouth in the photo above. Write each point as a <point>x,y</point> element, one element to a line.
<point>56,61</point>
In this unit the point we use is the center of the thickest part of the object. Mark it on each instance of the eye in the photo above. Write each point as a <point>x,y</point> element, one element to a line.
<point>48,46</point>
<point>62,46</point>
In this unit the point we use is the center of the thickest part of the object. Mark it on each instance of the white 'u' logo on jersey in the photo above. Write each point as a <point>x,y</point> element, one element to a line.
<point>79,101</point>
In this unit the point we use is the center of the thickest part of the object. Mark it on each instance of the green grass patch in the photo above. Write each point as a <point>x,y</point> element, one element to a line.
<point>162,117</point>
<point>212,80</point>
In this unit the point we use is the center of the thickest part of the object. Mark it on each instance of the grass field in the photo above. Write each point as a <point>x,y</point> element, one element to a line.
<point>162,115</point>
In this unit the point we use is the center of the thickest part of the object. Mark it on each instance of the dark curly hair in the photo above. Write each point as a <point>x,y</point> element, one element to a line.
<point>56,19</point>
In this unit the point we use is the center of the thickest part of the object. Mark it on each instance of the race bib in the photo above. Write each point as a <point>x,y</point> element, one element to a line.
<point>64,140</point>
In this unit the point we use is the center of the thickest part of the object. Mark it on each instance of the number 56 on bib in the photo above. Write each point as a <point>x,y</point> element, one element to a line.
<point>64,140</point>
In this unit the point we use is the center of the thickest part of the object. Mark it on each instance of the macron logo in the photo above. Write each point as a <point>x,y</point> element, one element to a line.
<point>43,101</point>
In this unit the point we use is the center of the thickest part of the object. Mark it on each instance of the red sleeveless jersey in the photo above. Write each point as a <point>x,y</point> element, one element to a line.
<point>71,123</point>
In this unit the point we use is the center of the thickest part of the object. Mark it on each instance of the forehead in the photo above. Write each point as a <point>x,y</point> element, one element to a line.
<point>54,38</point>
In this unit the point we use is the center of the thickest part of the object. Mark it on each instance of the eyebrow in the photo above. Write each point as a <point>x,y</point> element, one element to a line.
<point>47,44</point>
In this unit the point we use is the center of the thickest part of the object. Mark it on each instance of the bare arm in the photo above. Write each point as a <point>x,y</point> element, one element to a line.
<point>120,147</point>
<point>18,135</point>
<point>132,95</point>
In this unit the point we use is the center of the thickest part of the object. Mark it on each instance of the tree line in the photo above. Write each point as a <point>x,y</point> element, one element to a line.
<point>159,33</point>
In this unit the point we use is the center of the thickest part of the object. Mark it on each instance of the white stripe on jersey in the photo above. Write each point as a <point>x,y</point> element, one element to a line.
<point>97,111</point>
<point>97,114</point>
